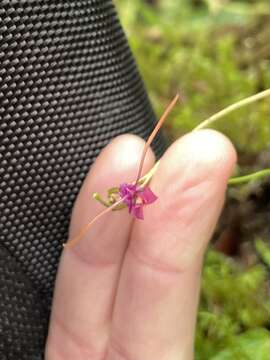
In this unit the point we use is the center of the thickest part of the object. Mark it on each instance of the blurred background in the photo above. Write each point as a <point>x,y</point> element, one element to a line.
<point>216,52</point>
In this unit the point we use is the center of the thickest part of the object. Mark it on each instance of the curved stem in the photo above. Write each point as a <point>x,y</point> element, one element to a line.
<point>249,100</point>
<point>246,178</point>
<point>147,177</point>
<point>233,107</point>
<point>153,134</point>
<point>84,230</point>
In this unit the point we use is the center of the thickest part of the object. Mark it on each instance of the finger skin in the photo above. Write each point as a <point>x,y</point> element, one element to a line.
<point>155,310</point>
<point>88,272</point>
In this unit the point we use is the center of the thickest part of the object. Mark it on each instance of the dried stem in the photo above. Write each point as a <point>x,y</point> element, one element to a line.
<point>153,134</point>
<point>84,230</point>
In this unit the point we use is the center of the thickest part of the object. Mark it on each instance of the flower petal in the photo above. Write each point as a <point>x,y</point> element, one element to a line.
<point>127,191</point>
<point>123,190</point>
<point>137,211</point>
<point>147,195</point>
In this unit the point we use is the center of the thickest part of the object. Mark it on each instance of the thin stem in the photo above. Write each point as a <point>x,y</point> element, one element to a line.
<point>153,134</point>
<point>229,109</point>
<point>243,179</point>
<point>84,230</point>
<point>249,100</point>
<point>146,178</point>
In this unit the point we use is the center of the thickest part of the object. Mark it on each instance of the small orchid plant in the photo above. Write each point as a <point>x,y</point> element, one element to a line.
<point>134,196</point>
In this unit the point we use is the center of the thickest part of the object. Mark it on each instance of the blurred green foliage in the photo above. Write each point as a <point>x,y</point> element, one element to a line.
<point>251,345</point>
<point>234,309</point>
<point>263,251</point>
<point>215,52</point>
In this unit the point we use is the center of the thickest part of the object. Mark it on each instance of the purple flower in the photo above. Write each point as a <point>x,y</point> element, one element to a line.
<point>135,197</point>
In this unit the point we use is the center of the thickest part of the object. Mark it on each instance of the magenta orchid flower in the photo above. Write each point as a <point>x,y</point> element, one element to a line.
<point>135,195</point>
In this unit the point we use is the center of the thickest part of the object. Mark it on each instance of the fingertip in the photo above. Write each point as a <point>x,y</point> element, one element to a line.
<point>124,153</point>
<point>216,151</point>
<point>208,152</point>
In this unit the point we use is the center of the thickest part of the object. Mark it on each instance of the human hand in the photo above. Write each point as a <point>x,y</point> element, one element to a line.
<point>128,290</point>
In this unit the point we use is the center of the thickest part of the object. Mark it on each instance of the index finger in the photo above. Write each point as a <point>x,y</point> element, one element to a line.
<point>88,272</point>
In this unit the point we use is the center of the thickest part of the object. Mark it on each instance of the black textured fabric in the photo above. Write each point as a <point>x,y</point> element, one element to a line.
<point>68,84</point>
<point>22,325</point>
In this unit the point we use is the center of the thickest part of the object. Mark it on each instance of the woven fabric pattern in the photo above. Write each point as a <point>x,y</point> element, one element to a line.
<point>68,84</point>
<point>22,320</point>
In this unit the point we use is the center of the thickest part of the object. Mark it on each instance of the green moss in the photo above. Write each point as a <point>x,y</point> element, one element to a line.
<point>171,44</point>
<point>234,300</point>
<point>252,345</point>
